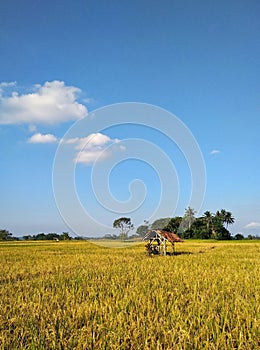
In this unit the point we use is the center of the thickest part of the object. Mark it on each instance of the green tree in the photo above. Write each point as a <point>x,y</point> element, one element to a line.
<point>27,237</point>
<point>200,229</point>
<point>187,221</point>
<point>142,230</point>
<point>218,230</point>
<point>52,236</point>
<point>225,216</point>
<point>65,236</point>
<point>159,224</point>
<point>208,217</point>
<point>40,237</point>
<point>228,219</point>
<point>174,224</point>
<point>239,236</point>
<point>189,216</point>
<point>220,215</point>
<point>124,225</point>
<point>224,234</point>
<point>5,235</point>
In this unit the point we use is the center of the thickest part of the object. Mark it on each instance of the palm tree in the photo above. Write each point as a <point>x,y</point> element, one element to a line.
<point>217,222</point>
<point>187,220</point>
<point>229,219</point>
<point>208,219</point>
<point>225,217</point>
<point>190,216</point>
<point>220,215</point>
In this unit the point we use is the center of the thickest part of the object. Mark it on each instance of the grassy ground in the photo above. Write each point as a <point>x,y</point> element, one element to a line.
<point>110,243</point>
<point>77,295</point>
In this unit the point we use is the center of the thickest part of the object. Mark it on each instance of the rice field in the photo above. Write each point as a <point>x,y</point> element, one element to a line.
<point>77,295</point>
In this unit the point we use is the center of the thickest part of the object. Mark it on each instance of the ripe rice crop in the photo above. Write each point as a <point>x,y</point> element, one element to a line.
<point>76,295</point>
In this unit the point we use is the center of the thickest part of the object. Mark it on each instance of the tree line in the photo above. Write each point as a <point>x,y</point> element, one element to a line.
<point>5,235</point>
<point>208,226</point>
<point>64,236</point>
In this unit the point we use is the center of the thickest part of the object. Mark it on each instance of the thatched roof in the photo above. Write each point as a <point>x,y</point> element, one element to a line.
<point>170,236</point>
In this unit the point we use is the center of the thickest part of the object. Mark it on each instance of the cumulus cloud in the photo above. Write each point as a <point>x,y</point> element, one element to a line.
<point>93,147</point>
<point>253,224</point>
<point>92,141</point>
<point>5,86</point>
<point>42,138</point>
<point>51,103</point>
<point>91,156</point>
<point>215,151</point>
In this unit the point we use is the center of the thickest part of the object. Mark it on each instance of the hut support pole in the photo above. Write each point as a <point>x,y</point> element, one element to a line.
<point>164,246</point>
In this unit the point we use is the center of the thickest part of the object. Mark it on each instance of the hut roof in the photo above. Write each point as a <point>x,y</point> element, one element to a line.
<point>170,236</point>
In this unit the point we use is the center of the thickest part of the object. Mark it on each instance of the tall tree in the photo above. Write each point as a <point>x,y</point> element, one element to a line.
<point>174,224</point>
<point>200,228</point>
<point>65,236</point>
<point>208,217</point>
<point>124,225</point>
<point>221,215</point>
<point>229,219</point>
<point>189,216</point>
<point>239,236</point>
<point>142,230</point>
<point>5,235</point>
<point>188,219</point>
<point>225,217</point>
<point>159,224</point>
<point>218,230</point>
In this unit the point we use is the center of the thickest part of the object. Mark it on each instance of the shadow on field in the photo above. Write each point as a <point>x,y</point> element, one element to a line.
<point>181,253</point>
<point>189,253</point>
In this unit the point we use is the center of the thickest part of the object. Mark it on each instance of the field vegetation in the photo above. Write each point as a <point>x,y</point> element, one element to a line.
<point>77,295</point>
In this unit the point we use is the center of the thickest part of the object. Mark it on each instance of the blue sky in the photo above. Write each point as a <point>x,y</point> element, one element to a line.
<point>61,60</point>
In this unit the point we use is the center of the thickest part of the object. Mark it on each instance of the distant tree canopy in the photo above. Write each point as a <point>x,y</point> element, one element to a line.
<point>48,237</point>
<point>142,230</point>
<point>160,223</point>
<point>210,225</point>
<point>251,237</point>
<point>5,235</point>
<point>124,225</point>
<point>174,224</point>
<point>239,236</point>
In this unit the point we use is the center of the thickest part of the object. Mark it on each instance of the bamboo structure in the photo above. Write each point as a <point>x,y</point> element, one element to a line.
<point>158,240</point>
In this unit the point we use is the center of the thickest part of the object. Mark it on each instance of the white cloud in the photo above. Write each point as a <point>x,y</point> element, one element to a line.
<point>70,141</point>
<point>40,138</point>
<point>90,156</point>
<point>93,141</point>
<point>253,224</point>
<point>50,103</point>
<point>6,85</point>
<point>92,148</point>
<point>215,151</point>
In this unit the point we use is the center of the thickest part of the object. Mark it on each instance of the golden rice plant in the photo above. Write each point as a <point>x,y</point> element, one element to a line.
<point>76,295</point>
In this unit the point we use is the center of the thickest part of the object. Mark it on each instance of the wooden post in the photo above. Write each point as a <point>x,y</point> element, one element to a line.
<point>164,246</point>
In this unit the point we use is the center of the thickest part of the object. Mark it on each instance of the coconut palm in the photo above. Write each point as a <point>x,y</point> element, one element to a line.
<point>208,216</point>
<point>220,215</point>
<point>189,216</point>
<point>229,219</point>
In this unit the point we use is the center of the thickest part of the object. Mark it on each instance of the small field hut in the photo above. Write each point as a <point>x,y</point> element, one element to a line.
<point>159,241</point>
